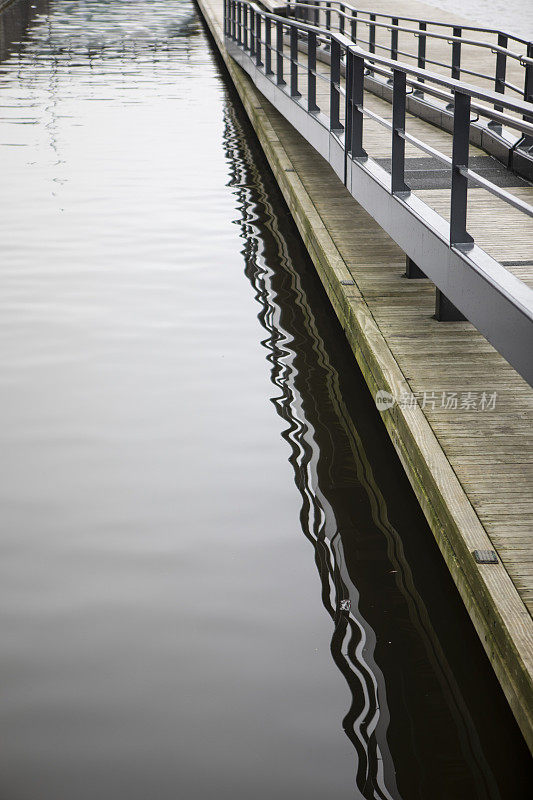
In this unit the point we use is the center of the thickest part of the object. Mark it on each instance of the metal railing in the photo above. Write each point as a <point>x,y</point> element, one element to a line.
<point>280,54</point>
<point>361,27</point>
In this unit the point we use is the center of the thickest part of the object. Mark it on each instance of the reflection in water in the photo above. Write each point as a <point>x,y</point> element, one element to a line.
<point>160,621</point>
<point>15,20</point>
<point>332,472</point>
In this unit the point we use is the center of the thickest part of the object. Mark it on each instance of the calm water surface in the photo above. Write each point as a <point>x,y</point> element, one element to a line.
<point>215,581</point>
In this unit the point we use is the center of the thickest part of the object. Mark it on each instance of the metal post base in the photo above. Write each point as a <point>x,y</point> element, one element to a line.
<point>412,270</point>
<point>445,311</point>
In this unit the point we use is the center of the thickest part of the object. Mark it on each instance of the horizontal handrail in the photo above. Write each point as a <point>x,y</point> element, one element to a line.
<point>270,47</point>
<point>424,77</point>
<point>450,38</point>
<point>426,21</point>
<point>429,33</point>
<point>518,106</point>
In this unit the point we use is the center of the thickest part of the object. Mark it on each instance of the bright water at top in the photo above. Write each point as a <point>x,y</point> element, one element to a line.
<point>193,475</point>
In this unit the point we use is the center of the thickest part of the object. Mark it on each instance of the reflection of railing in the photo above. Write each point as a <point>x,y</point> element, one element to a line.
<point>350,21</point>
<point>327,451</point>
<point>271,49</point>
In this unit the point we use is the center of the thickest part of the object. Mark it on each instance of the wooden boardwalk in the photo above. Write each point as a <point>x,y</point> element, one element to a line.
<point>467,443</point>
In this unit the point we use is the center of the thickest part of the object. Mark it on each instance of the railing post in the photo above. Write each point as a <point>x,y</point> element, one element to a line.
<point>394,40</point>
<point>245,26</point>
<point>348,111</point>
<point>258,61</point>
<point>501,69</point>
<point>456,55</point>
<point>372,34</point>
<point>328,16</point>
<point>459,197</point>
<point>311,73</point>
<point>527,140</point>
<point>353,137</point>
<point>279,54</point>
<point>294,61</point>
<point>231,7</point>
<point>528,80</point>
<point>268,46</point>
<point>252,32</point>
<point>341,18</point>
<point>239,23</point>
<point>353,25</point>
<point>421,60</point>
<point>334,84</point>
<point>398,128</point>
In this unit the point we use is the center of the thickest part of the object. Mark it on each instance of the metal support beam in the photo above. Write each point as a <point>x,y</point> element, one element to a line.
<point>445,311</point>
<point>412,270</point>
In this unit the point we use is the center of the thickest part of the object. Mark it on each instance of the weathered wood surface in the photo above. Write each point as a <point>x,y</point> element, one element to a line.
<point>471,470</point>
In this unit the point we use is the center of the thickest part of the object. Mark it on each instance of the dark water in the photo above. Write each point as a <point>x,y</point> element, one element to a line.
<point>215,581</point>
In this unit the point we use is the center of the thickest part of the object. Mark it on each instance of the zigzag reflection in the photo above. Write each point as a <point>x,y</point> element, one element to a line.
<point>299,362</point>
<point>352,642</point>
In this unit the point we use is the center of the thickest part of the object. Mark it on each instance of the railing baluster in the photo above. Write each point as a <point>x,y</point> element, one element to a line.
<point>354,26</point>
<point>372,34</point>
<point>294,61</point>
<point>459,197</point>
<point>279,54</point>
<point>334,83</point>
<point>357,117</point>
<point>501,69</point>
<point>398,128</point>
<point>311,73</point>
<point>456,55</point>
<point>421,60</point>
<point>245,27</point>
<point>268,46</point>
<point>252,32</point>
<point>348,111</point>
<point>258,40</point>
<point>394,40</point>
<point>528,93</point>
<point>341,19</point>
<point>328,16</point>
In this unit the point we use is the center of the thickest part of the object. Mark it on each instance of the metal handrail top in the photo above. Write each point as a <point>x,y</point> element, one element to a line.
<point>518,106</point>
<point>419,19</point>
<point>450,38</point>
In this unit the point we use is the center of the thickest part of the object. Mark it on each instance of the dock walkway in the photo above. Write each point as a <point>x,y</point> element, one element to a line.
<point>466,443</point>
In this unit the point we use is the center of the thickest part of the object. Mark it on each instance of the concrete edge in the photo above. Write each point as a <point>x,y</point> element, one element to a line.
<point>499,615</point>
